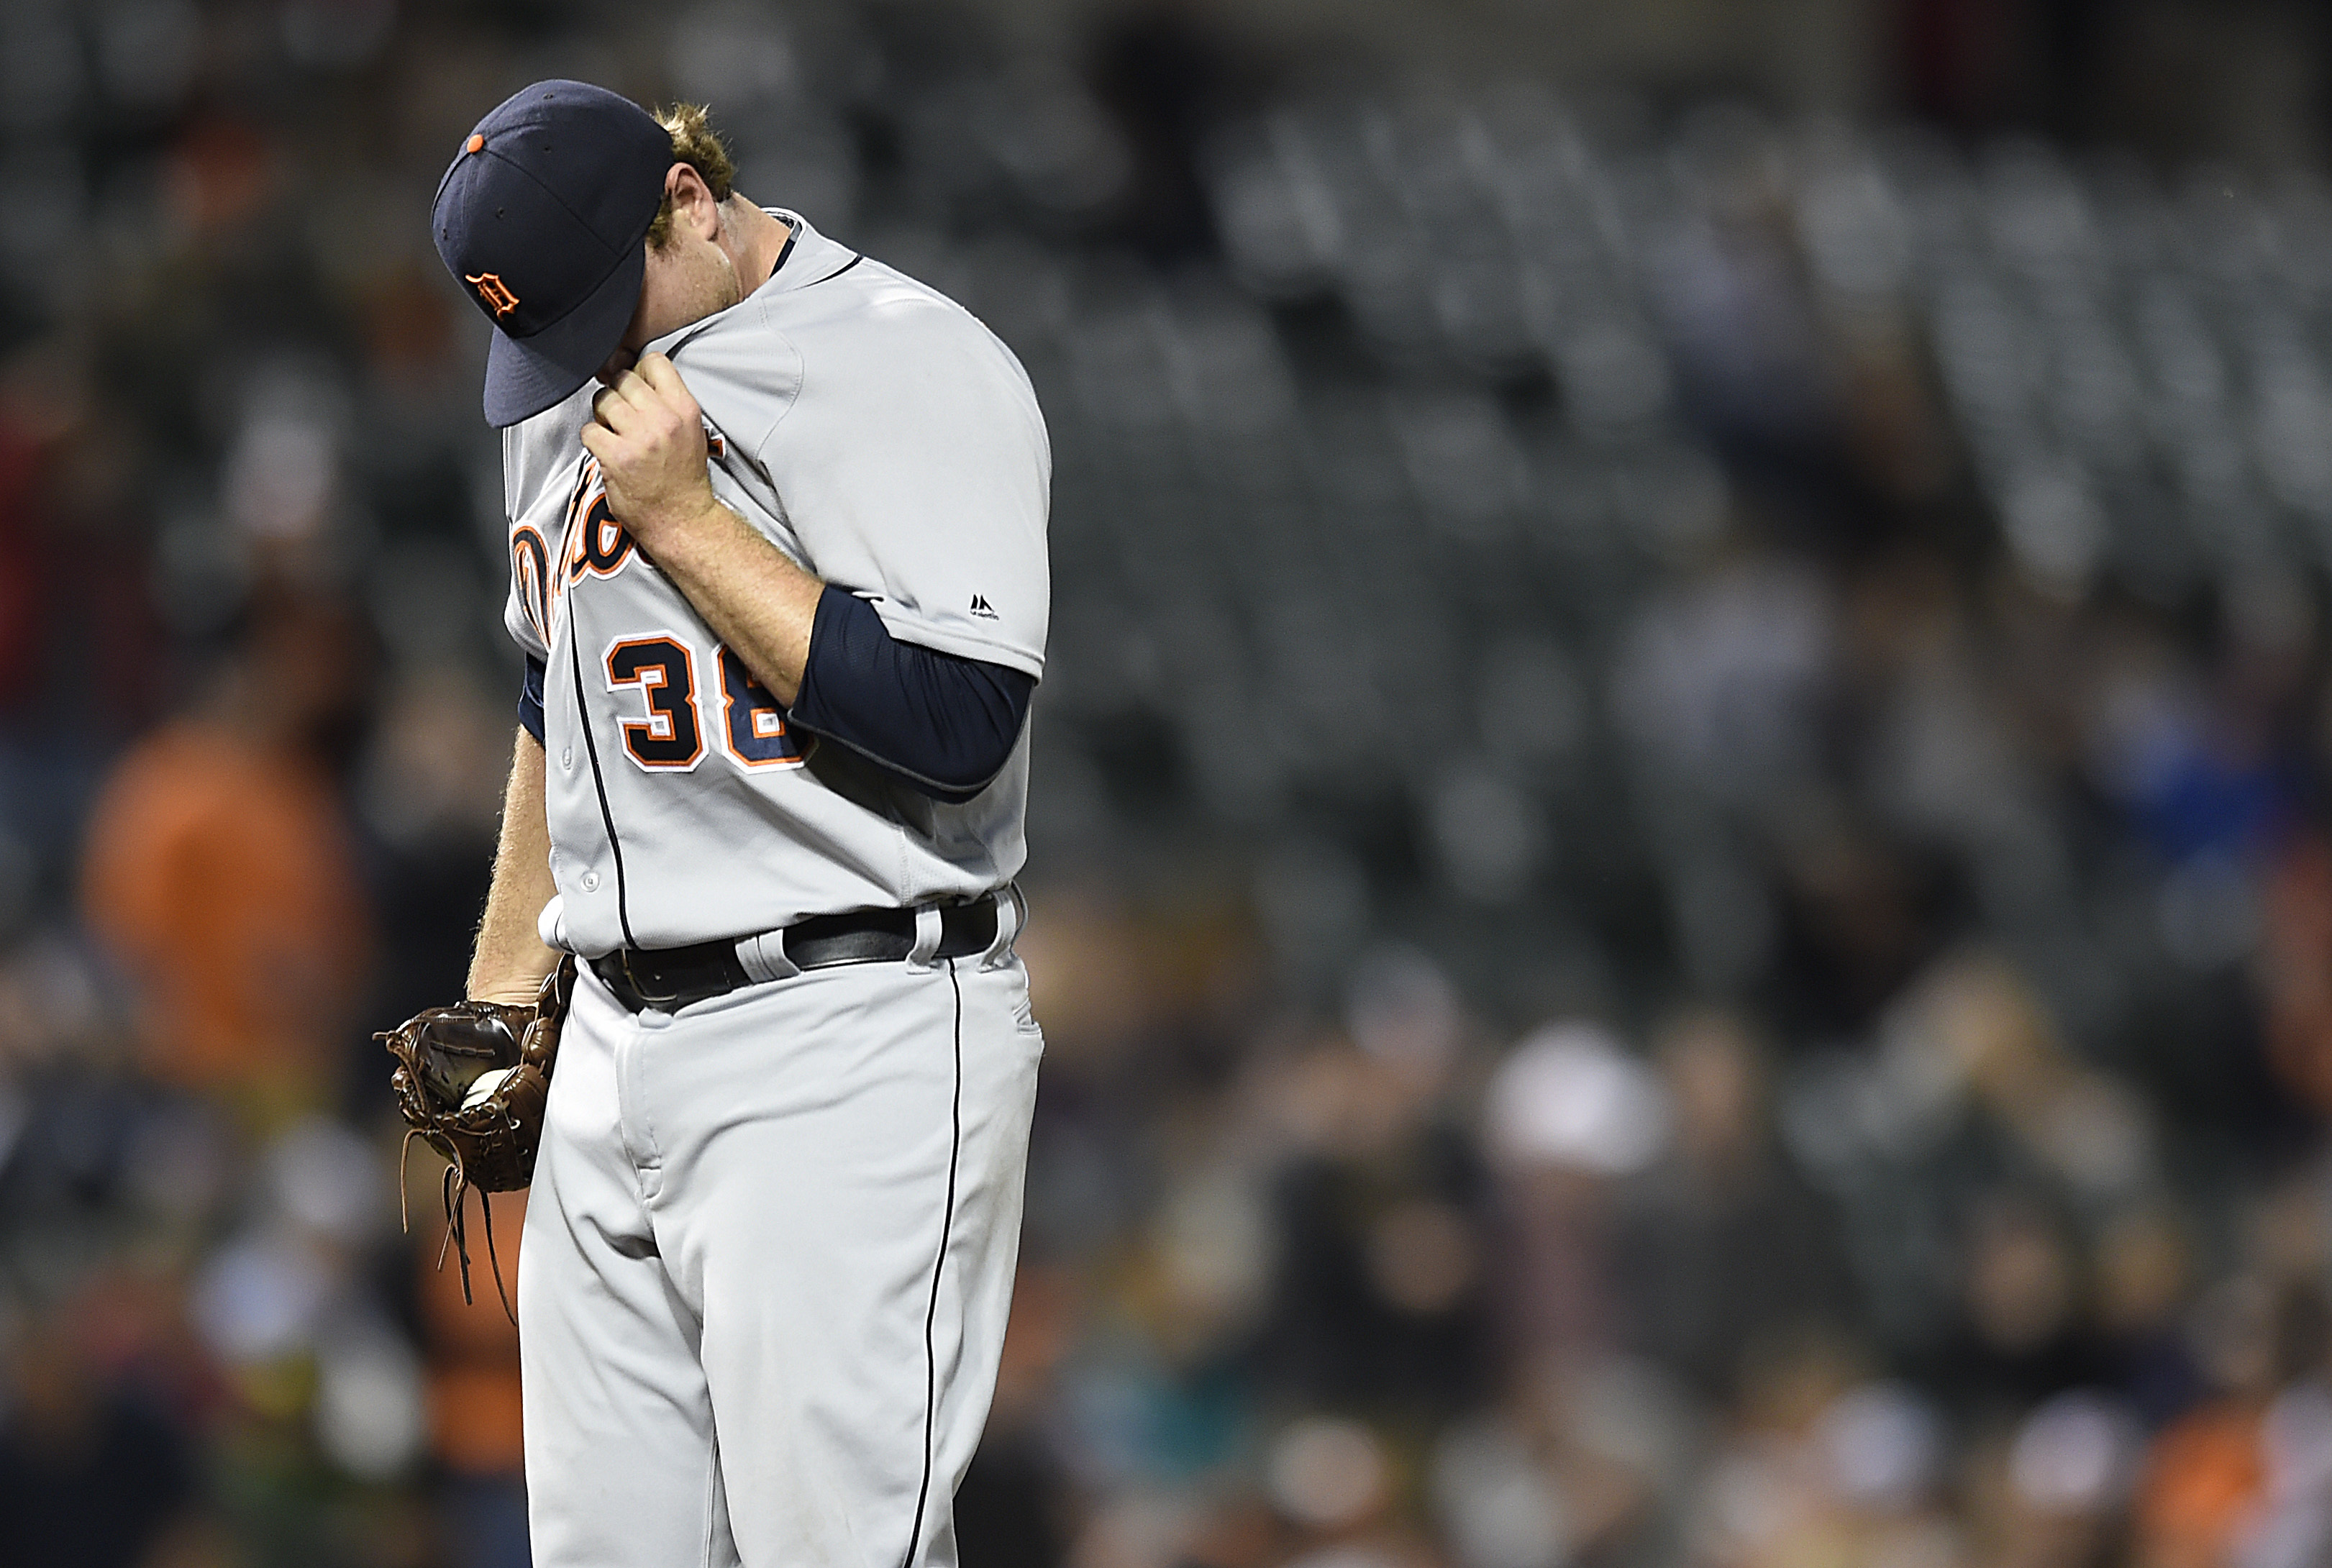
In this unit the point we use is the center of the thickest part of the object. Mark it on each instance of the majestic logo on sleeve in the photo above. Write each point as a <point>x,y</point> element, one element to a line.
<point>494,292</point>
<point>980,606</point>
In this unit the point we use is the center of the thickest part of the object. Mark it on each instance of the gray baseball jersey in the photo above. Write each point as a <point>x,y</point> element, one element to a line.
<point>886,440</point>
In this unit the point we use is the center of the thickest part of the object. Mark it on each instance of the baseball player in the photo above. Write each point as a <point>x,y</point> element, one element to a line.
<point>778,547</point>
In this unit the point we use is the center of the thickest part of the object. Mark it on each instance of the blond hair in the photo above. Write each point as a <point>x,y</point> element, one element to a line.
<point>693,143</point>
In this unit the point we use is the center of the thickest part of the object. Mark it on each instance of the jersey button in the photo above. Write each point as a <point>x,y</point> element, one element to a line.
<point>567,758</point>
<point>590,882</point>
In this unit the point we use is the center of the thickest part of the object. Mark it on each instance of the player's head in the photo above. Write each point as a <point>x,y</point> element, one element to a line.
<point>691,255</point>
<point>582,226</point>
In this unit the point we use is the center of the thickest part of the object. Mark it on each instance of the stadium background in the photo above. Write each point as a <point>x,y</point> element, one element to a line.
<point>1682,901</point>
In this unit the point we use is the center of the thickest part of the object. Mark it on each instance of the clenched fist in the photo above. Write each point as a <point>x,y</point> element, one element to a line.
<point>649,438</point>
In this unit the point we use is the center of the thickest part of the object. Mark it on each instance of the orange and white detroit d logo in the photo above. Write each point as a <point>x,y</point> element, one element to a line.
<point>494,292</point>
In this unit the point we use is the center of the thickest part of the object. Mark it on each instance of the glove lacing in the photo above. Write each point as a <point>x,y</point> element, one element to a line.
<point>455,1187</point>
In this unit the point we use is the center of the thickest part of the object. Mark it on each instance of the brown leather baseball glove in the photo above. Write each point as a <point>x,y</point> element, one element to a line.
<point>472,1081</point>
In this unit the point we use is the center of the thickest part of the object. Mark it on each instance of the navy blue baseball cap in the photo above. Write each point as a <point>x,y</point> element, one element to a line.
<point>542,219</point>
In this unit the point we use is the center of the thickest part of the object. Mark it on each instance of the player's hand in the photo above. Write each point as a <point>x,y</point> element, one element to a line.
<point>649,438</point>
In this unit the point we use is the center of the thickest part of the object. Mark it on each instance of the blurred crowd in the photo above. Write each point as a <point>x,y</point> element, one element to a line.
<point>1805,1046</point>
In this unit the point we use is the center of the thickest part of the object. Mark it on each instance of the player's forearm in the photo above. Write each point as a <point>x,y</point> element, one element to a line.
<point>648,436</point>
<point>510,960</point>
<point>760,605</point>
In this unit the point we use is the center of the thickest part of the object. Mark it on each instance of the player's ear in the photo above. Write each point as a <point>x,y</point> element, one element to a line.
<point>693,206</point>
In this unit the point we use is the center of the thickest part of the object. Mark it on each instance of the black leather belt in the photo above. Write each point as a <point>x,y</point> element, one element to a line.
<point>670,978</point>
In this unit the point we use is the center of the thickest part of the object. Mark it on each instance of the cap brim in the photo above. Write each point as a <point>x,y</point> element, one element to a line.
<point>525,376</point>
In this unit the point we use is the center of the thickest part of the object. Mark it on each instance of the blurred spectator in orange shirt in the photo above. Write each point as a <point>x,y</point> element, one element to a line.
<point>2203,1482</point>
<point>2216,1478</point>
<point>473,1387</point>
<point>220,871</point>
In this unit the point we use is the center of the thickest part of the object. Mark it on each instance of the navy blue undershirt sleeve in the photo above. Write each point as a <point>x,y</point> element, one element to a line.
<point>529,698</point>
<point>943,724</point>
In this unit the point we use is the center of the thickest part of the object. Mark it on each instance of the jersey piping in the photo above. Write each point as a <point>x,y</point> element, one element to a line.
<point>599,783</point>
<point>932,1314</point>
<point>838,271</point>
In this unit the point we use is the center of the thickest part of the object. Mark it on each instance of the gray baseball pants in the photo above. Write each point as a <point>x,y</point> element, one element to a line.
<point>767,1264</point>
